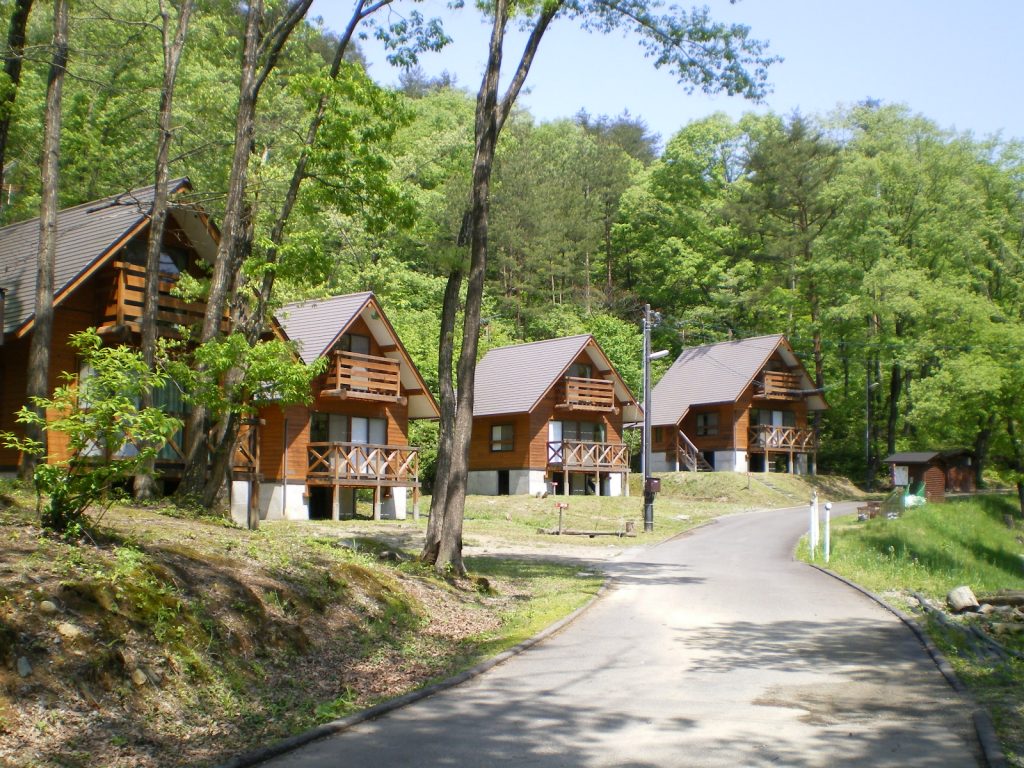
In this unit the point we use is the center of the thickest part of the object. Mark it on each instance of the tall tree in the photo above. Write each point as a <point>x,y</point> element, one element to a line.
<point>700,52</point>
<point>42,331</point>
<point>172,35</point>
<point>13,60</point>
<point>261,51</point>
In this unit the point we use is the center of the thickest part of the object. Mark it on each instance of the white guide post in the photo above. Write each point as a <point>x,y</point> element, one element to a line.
<point>813,534</point>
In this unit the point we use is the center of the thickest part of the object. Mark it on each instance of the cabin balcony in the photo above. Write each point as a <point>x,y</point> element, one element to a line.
<point>125,307</point>
<point>363,465</point>
<point>780,385</point>
<point>765,438</point>
<point>579,455</point>
<point>595,395</point>
<point>363,377</point>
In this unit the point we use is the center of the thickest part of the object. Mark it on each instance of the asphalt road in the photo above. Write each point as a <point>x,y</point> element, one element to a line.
<point>715,649</point>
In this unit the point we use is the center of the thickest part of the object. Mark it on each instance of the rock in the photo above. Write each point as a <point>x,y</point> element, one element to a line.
<point>962,599</point>
<point>139,677</point>
<point>986,608</point>
<point>69,631</point>
<point>1007,628</point>
<point>24,667</point>
<point>48,608</point>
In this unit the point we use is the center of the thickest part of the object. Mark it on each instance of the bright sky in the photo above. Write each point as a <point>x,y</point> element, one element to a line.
<point>959,64</point>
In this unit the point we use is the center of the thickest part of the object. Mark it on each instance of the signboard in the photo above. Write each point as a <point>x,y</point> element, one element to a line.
<point>900,475</point>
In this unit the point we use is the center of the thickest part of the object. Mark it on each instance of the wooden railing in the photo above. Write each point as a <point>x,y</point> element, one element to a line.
<point>126,306</point>
<point>768,438</point>
<point>780,385</point>
<point>588,395</point>
<point>577,454</point>
<point>365,377</point>
<point>363,464</point>
<point>687,455</point>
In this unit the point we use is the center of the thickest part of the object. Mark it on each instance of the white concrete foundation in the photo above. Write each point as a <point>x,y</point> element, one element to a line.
<point>731,461</point>
<point>276,502</point>
<point>483,483</point>
<point>521,482</point>
<point>660,462</point>
<point>394,507</point>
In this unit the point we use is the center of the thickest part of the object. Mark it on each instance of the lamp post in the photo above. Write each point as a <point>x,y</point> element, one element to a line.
<point>645,458</point>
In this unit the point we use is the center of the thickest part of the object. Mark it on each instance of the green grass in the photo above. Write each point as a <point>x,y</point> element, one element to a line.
<point>931,550</point>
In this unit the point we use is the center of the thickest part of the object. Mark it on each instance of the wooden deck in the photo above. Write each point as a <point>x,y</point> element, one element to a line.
<point>127,300</point>
<point>595,395</point>
<point>780,385</point>
<point>765,438</point>
<point>363,377</point>
<point>580,456</point>
<point>362,465</point>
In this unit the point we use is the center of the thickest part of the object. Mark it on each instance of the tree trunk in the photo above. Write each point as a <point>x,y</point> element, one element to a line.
<point>42,332</point>
<point>259,57</point>
<point>981,443</point>
<point>12,68</point>
<point>895,390</point>
<point>145,482</point>
<point>490,117</point>
<point>445,353</point>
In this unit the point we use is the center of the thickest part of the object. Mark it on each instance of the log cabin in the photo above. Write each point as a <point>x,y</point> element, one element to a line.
<point>315,459</point>
<point>99,283</point>
<point>547,418</point>
<point>736,406</point>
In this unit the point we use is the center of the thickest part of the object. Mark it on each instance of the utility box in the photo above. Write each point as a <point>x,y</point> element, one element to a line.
<point>652,485</point>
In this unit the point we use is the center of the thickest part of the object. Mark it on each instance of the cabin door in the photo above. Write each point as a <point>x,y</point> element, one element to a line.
<point>554,442</point>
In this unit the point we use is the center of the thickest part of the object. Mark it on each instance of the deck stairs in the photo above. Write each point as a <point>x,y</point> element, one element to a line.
<point>689,457</point>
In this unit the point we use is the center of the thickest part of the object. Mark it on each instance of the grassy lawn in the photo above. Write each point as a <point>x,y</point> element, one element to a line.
<point>931,550</point>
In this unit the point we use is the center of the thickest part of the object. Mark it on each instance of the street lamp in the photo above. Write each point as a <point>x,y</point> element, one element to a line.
<point>650,318</point>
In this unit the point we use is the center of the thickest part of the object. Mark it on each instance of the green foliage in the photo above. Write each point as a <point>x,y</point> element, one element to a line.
<point>270,372</point>
<point>109,438</point>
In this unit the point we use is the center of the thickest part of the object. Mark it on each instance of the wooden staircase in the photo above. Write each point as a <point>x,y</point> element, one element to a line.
<point>689,457</point>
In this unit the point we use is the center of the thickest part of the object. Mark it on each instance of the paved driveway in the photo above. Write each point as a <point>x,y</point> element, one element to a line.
<point>715,649</point>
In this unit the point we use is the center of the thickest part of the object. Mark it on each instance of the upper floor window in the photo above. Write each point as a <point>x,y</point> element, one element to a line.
<point>356,342</point>
<point>581,371</point>
<point>707,424</point>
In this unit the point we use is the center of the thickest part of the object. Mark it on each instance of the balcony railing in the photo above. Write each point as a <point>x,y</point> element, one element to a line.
<point>363,464</point>
<point>765,437</point>
<point>779,385</point>
<point>588,395</point>
<point>688,455</point>
<point>126,305</point>
<point>363,377</point>
<point>581,455</point>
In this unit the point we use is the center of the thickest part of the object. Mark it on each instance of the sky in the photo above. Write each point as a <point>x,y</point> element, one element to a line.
<point>960,64</point>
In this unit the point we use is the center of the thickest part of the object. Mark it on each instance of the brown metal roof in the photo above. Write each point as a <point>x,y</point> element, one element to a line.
<point>85,234</point>
<point>719,373</point>
<point>513,379</point>
<point>316,327</point>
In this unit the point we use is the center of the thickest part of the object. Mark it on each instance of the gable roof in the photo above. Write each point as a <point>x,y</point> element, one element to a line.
<point>924,457</point>
<point>513,379</point>
<point>86,235</point>
<point>720,373</point>
<point>317,326</point>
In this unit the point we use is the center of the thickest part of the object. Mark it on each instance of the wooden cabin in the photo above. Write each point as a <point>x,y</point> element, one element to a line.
<point>736,406</point>
<point>99,283</point>
<point>314,460</point>
<point>547,417</point>
<point>933,474</point>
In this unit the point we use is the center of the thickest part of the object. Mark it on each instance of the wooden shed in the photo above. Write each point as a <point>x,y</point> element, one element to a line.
<point>934,473</point>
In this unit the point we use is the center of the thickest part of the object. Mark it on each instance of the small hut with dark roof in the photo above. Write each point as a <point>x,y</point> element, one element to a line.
<point>933,474</point>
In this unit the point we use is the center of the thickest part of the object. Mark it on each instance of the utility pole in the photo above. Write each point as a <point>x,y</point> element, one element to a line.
<point>651,485</point>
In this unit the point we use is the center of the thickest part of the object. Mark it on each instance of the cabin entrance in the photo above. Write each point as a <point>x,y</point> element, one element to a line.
<point>503,483</point>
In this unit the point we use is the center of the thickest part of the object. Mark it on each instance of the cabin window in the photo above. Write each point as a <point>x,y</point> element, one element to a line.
<point>707,424</point>
<point>319,429</point>
<point>355,342</point>
<point>762,416</point>
<point>586,431</point>
<point>173,261</point>
<point>502,438</point>
<point>581,371</point>
<point>368,431</point>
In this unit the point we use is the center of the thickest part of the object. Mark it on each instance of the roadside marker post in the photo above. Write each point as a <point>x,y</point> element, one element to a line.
<point>828,529</point>
<point>561,506</point>
<point>813,533</point>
